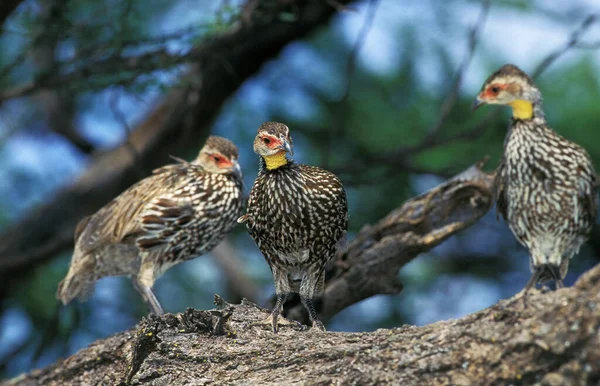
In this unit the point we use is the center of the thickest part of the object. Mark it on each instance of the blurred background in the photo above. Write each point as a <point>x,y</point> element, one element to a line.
<point>377,77</point>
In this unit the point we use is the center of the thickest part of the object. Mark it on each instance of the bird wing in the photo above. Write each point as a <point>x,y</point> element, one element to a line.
<point>587,193</point>
<point>116,222</point>
<point>166,218</point>
<point>330,197</point>
<point>162,220</point>
<point>500,194</point>
<point>81,225</point>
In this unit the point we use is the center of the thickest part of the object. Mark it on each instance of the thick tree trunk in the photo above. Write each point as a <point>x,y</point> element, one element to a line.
<point>552,339</point>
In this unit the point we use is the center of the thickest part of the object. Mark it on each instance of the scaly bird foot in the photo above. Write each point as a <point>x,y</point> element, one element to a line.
<point>281,321</point>
<point>319,325</point>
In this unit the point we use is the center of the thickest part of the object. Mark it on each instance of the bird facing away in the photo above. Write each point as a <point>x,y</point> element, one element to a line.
<point>179,212</point>
<point>545,185</point>
<point>297,215</point>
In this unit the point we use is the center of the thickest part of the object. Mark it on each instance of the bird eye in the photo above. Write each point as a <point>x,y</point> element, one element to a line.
<point>266,140</point>
<point>495,89</point>
<point>217,158</point>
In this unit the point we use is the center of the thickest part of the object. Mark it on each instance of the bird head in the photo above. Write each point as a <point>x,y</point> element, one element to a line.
<point>510,86</point>
<point>219,155</point>
<point>272,142</point>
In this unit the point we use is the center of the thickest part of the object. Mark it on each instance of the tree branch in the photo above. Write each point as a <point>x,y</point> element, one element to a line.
<point>573,42</point>
<point>553,340</point>
<point>7,7</point>
<point>58,106</point>
<point>432,139</point>
<point>117,69</point>
<point>452,96</point>
<point>339,123</point>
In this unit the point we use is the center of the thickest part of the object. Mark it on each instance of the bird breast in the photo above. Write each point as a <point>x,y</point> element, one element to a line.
<point>295,209</point>
<point>542,181</point>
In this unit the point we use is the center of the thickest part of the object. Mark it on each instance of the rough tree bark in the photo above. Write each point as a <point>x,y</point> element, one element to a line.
<point>553,340</point>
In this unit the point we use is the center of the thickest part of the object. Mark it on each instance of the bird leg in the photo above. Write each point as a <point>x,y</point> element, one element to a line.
<point>273,320</point>
<point>533,280</point>
<point>312,313</point>
<point>555,272</point>
<point>535,276</point>
<point>281,299</point>
<point>148,296</point>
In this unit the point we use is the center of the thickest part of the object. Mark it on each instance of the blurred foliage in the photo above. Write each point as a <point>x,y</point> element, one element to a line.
<point>395,92</point>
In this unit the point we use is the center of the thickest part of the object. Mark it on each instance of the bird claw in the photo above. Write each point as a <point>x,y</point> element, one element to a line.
<point>280,321</point>
<point>317,324</point>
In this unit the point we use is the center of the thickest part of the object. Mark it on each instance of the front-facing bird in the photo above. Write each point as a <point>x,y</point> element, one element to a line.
<point>297,215</point>
<point>545,185</point>
<point>180,212</point>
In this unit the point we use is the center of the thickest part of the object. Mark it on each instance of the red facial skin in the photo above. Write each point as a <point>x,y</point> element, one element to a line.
<point>221,161</point>
<point>492,91</point>
<point>271,141</point>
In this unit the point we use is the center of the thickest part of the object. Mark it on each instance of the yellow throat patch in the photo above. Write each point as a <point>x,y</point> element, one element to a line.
<point>522,109</point>
<point>276,160</point>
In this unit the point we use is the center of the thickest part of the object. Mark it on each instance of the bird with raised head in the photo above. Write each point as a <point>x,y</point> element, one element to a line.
<point>181,211</point>
<point>545,185</point>
<point>298,216</point>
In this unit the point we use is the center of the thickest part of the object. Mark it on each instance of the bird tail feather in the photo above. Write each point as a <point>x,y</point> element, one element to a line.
<point>78,283</point>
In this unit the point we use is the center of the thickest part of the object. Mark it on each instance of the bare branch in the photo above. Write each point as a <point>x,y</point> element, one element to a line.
<point>552,341</point>
<point>340,121</point>
<point>358,44</point>
<point>102,73</point>
<point>452,96</point>
<point>402,156</point>
<point>574,39</point>
<point>122,119</point>
<point>588,45</point>
<point>58,105</point>
<point>432,139</point>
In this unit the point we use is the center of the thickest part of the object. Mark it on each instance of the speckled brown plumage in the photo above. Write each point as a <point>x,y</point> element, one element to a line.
<point>297,215</point>
<point>180,212</point>
<point>545,185</point>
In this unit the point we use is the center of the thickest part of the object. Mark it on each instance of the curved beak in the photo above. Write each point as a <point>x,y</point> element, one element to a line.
<point>285,145</point>
<point>237,170</point>
<point>477,103</point>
